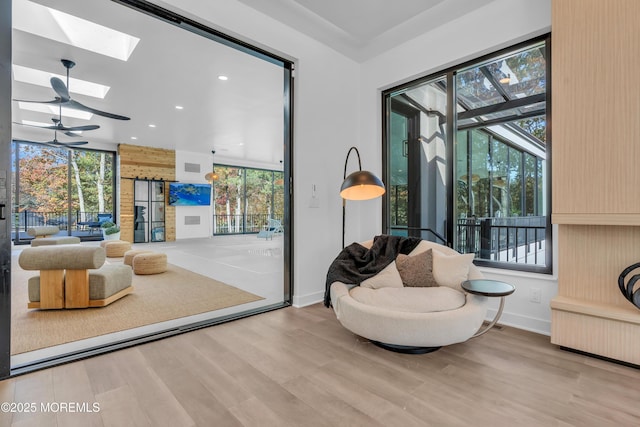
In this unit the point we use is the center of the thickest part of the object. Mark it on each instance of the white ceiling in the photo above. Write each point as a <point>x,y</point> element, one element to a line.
<point>362,29</point>
<point>241,118</point>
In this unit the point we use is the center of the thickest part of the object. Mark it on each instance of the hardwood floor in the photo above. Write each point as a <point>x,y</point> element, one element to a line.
<point>299,367</point>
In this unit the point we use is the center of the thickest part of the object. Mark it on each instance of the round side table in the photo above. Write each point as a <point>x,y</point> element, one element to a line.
<point>489,288</point>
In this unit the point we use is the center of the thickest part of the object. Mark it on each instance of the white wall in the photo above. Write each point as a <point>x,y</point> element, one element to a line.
<point>325,117</point>
<point>500,24</point>
<point>204,212</point>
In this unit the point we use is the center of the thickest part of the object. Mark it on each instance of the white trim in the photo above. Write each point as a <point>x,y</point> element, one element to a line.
<point>308,299</point>
<point>518,321</point>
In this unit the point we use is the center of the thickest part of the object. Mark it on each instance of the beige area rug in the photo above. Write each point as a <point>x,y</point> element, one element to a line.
<point>155,298</point>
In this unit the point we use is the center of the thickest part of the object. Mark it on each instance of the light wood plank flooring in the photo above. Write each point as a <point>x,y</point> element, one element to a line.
<point>299,367</point>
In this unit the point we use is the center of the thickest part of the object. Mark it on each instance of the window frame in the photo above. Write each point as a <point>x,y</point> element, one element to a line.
<point>451,142</point>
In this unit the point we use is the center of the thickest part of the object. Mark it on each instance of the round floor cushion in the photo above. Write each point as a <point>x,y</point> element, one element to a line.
<point>149,263</point>
<point>128,256</point>
<point>115,248</point>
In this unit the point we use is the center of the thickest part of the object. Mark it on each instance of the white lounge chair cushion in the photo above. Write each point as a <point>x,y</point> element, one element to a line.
<point>410,299</point>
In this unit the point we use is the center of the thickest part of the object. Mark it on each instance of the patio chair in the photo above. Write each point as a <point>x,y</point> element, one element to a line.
<point>95,225</point>
<point>272,227</point>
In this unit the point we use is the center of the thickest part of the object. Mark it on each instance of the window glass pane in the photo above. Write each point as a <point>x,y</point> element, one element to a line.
<point>91,184</point>
<point>246,199</point>
<point>500,167</point>
<point>480,174</point>
<point>398,194</point>
<point>229,193</point>
<point>515,181</point>
<point>43,198</point>
<point>530,164</point>
<point>418,161</point>
<point>258,200</point>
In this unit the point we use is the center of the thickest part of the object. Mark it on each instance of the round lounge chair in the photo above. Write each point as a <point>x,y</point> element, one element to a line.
<point>414,319</point>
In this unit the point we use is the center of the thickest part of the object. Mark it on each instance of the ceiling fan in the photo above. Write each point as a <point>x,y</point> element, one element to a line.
<point>55,142</point>
<point>58,126</point>
<point>64,98</point>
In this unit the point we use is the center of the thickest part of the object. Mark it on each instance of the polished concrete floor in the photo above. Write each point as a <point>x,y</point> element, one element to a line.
<point>244,261</point>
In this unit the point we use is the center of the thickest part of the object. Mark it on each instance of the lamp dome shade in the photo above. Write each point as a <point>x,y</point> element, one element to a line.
<point>212,176</point>
<point>361,185</point>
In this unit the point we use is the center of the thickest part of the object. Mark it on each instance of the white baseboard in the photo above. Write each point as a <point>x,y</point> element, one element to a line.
<point>531,324</point>
<point>309,299</point>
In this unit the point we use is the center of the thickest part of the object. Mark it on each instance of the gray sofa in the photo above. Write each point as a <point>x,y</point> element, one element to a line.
<point>414,319</point>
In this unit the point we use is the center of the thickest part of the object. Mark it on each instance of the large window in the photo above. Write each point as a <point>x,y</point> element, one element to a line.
<point>467,158</point>
<point>245,199</point>
<point>62,187</point>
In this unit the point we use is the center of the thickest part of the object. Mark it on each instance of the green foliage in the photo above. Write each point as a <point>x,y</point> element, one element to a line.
<point>111,230</point>
<point>44,173</point>
<point>264,191</point>
<point>107,224</point>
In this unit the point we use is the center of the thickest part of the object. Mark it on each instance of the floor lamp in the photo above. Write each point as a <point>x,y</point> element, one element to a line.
<point>359,185</point>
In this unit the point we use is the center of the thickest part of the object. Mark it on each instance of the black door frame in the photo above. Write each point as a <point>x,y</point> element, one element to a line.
<point>5,188</point>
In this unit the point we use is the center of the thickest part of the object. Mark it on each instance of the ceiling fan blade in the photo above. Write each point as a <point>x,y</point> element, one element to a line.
<point>53,101</point>
<point>61,89</point>
<point>68,144</point>
<point>72,134</point>
<point>62,128</point>
<point>78,106</point>
<point>72,128</point>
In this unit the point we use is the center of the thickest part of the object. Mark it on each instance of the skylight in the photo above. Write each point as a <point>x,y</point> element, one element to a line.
<point>55,110</point>
<point>42,78</point>
<point>64,28</point>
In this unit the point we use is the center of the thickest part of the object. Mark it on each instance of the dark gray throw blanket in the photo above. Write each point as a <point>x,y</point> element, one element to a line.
<point>356,263</point>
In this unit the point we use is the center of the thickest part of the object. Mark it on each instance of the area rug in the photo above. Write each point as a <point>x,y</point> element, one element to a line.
<point>156,298</point>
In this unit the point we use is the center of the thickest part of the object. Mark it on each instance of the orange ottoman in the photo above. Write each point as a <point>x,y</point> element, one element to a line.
<point>149,263</point>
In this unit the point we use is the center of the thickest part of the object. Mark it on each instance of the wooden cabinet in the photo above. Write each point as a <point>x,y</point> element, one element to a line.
<point>596,110</point>
<point>595,173</point>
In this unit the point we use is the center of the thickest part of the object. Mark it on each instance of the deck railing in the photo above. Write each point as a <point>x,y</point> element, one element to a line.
<point>241,224</point>
<point>507,239</point>
<point>31,218</point>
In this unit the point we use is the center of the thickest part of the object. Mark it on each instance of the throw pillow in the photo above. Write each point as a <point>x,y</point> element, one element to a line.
<point>387,278</point>
<point>416,270</point>
<point>451,270</point>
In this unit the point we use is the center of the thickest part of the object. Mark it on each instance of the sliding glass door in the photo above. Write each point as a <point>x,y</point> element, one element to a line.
<point>210,89</point>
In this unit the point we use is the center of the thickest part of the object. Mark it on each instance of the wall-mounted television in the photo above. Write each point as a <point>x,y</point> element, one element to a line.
<point>183,194</point>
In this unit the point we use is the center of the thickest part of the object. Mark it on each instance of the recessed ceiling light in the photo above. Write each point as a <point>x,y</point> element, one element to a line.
<point>151,125</point>
<point>179,107</point>
<point>43,78</point>
<point>64,28</point>
<point>134,137</point>
<point>54,109</point>
<point>223,78</point>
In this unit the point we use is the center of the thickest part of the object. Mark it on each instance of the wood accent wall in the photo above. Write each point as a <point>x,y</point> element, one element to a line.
<point>596,176</point>
<point>144,162</point>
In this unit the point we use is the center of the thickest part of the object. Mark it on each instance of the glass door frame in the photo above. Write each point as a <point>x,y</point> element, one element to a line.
<point>5,187</point>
